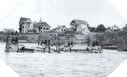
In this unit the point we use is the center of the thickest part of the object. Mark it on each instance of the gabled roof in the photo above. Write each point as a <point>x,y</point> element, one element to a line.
<point>114,27</point>
<point>75,21</point>
<point>125,27</point>
<point>61,26</point>
<point>41,24</point>
<point>23,19</point>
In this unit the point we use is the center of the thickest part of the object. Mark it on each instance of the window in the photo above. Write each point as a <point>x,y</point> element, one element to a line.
<point>76,25</point>
<point>73,22</point>
<point>75,29</point>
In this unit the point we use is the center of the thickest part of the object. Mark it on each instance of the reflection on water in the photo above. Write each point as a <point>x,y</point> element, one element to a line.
<point>64,64</point>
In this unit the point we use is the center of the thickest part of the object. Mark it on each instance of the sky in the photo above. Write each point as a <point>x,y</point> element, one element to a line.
<point>62,12</point>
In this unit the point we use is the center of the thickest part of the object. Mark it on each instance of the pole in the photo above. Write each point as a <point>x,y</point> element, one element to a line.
<point>57,47</point>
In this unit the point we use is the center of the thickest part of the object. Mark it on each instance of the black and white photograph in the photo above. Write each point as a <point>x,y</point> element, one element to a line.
<point>63,38</point>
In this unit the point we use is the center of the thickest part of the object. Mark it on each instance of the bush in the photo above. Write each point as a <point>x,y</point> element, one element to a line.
<point>101,28</point>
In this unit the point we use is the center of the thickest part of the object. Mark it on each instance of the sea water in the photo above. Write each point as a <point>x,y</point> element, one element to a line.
<point>63,64</point>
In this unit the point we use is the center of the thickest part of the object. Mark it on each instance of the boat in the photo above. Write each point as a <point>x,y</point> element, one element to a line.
<point>82,49</point>
<point>12,45</point>
<point>94,49</point>
<point>22,48</point>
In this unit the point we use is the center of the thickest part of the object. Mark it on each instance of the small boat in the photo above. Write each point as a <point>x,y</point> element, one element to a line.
<point>83,49</point>
<point>110,47</point>
<point>94,49</point>
<point>24,49</point>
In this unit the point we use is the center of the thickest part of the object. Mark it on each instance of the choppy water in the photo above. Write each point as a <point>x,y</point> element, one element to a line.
<point>64,64</point>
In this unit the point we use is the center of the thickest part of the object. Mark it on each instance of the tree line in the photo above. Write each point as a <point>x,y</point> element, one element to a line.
<point>99,28</point>
<point>102,28</point>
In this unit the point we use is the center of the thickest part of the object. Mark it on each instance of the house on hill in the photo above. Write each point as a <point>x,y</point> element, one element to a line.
<point>80,26</point>
<point>114,28</point>
<point>28,26</point>
<point>24,24</point>
<point>60,28</point>
<point>41,27</point>
<point>125,27</point>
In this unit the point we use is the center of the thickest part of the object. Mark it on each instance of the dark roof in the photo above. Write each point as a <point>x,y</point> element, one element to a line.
<point>75,21</point>
<point>23,19</point>
<point>41,24</point>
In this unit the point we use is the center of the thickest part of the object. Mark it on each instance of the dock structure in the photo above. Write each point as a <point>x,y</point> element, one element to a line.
<point>122,45</point>
<point>122,41</point>
<point>45,40</point>
<point>11,43</point>
<point>64,43</point>
<point>7,43</point>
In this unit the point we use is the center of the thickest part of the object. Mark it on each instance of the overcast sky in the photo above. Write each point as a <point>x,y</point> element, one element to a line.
<point>61,12</point>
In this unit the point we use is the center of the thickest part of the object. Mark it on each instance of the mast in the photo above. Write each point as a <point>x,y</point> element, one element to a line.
<point>7,43</point>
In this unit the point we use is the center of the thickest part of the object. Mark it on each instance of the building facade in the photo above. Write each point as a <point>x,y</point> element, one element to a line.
<point>24,24</point>
<point>28,26</point>
<point>61,28</point>
<point>115,28</point>
<point>125,27</point>
<point>79,26</point>
<point>41,27</point>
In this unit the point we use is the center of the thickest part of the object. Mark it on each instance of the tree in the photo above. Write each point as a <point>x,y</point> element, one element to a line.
<point>16,32</point>
<point>39,28</point>
<point>35,31</point>
<point>101,28</point>
<point>125,27</point>
<point>20,29</point>
<point>92,29</point>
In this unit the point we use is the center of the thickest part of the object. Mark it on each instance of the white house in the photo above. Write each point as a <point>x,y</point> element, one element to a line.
<point>24,24</point>
<point>60,28</point>
<point>27,26</point>
<point>41,27</point>
<point>80,26</point>
<point>114,28</point>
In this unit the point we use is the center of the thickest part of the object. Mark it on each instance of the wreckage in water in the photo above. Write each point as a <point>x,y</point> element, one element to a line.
<point>12,45</point>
